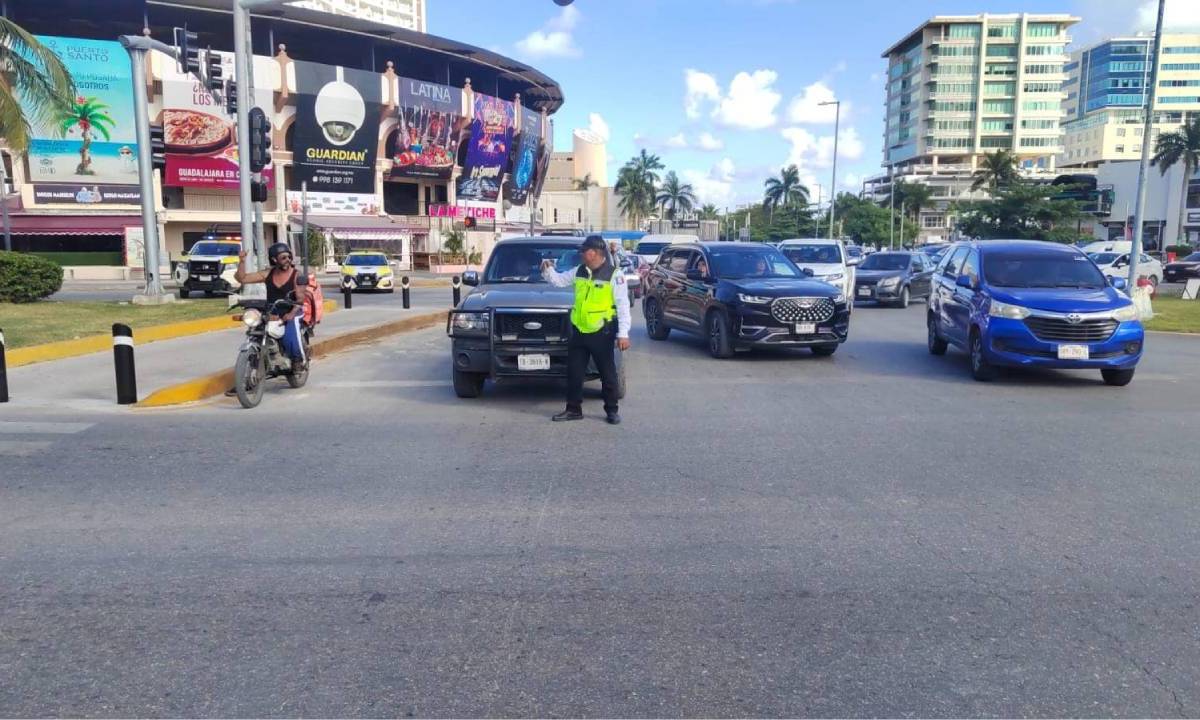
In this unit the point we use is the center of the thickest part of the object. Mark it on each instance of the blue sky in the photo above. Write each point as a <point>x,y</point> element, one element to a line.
<point>726,91</point>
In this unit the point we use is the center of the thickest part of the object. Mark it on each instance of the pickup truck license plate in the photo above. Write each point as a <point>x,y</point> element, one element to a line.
<point>864,291</point>
<point>206,278</point>
<point>1072,352</point>
<point>533,362</point>
<point>806,328</point>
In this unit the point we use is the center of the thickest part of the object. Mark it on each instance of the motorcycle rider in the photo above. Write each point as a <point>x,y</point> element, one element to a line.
<point>282,280</point>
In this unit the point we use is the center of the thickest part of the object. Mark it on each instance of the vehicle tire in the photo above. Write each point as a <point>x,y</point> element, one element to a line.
<point>1117,378</point>
<point>824,350</point>
<point>468,384</point>
<point>905,298</point>
<point>937,346</point>
<point>621,379</point>
<point>209,293</point>
<point>981,369</point>
<point>183,293</point>
<point>720,345</point>
<point>249,374</point>
<point>655,327</point>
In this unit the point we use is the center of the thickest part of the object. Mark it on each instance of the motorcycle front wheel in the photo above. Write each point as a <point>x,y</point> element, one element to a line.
<point>249,374</point>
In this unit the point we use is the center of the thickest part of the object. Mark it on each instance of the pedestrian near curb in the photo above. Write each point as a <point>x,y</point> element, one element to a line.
<point>600,320</point>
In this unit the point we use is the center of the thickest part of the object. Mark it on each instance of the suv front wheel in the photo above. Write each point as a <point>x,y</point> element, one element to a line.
<point>468,384</point>
<point>720,345</point>
<point>655,327</point>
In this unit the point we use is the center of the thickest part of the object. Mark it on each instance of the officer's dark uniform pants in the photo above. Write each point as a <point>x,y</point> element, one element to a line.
<point>601,346</point>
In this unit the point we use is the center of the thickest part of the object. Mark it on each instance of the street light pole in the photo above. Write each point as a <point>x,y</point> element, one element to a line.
<point>1147,135</point>
<point>837,117</point>
<point>4,208</point>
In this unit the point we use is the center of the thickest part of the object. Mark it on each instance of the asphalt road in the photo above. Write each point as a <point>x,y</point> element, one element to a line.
<point>868,534</point>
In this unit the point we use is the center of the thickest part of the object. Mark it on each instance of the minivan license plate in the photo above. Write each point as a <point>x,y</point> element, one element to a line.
<point>806,328</point>
<point>533,362</point>
<point>1072,352</point>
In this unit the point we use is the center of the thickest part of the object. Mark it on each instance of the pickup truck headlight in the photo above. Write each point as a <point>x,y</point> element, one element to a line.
<point>385,271</point>
<point>1005,310</point>
<point>470,323</point>
<point>753,299</point>
<point>890,282</point>
<point>1125,314</point>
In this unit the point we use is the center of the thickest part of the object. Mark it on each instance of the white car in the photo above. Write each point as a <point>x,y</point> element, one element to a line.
<point>826,258</point>
<point>1116,265</point>
<point>650,246</point>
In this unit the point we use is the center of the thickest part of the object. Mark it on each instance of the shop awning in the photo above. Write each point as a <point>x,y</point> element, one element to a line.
<point>357,227</point>
<point>24,224</point>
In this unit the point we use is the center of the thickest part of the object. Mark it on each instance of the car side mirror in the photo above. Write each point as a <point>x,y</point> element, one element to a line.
<point>470,278</point>
<point>964,281</point>
<point>1118,283</point>
<point>807,271</point>
<point>853,261</point>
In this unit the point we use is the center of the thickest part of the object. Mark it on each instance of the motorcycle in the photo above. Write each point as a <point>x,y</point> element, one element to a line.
<point>262,357</point>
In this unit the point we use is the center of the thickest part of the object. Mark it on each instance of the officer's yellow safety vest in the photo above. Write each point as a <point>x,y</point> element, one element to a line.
<point>593,299</point>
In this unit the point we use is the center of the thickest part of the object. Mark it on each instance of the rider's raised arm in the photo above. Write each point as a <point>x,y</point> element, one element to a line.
<point>244,277</point>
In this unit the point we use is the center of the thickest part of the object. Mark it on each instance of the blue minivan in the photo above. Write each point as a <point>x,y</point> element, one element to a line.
<point>1027,303</point>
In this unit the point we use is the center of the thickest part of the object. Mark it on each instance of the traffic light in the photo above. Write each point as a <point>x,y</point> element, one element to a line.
<point>469,223</point>
<point>158,147</point>
<point>259,191</point>
<point>260,140</point>
<point>189,51</point>
<point>231,107</point>
<point>213,72</point>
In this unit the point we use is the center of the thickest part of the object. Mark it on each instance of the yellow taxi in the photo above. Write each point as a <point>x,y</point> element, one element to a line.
<point>368,270</point>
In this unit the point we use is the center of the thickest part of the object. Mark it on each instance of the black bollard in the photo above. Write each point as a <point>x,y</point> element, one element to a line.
<point>123,360</point>
<point>456,287</point>
<point>3,371</point>
<point>404,292</point>
<point>347,292</point>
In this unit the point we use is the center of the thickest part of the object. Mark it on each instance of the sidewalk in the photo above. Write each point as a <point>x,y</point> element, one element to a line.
<point>89,381</point>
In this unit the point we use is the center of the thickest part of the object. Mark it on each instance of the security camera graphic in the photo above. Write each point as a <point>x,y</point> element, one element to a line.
<point>340,110</point>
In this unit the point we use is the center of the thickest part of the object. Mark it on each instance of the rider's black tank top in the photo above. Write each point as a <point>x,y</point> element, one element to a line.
<point>281,292</point>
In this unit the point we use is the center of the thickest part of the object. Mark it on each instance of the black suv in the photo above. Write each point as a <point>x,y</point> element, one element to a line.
<point>514,324</point>
<point>742,295</point>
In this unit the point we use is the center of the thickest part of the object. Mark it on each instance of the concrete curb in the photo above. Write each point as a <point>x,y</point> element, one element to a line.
<point>217,383</point>
<point>1175,332</point>
<point>98,343</point>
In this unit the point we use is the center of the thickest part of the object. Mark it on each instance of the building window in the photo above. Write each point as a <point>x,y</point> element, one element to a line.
<point>1120,132</point>
<point>1039,141</point>
<point>1042,29</point>
<point>1003,143</point>
<point>933,221</point>
<point>1183,50</point>
<point>1117,66</point>
<point>959,51</point>
<point>1002,31</point>
<point>1120,148</point>
<point>964,30</point>
<point>1179,83</point>
<point>1042,87</point>
<point>1177,100</point>
<point>1039,124</point>
<point>996,125</point>
<point>1137,148</point>
<point>998,106</point>
<point>1002,51</point>
<point>1137,49</point>
<point>999,88</point>
<point>1003,70</point>
<point>1043,49</point>
<point>1043,69</point>
<point>555,215</point>
<point>1040,105</point>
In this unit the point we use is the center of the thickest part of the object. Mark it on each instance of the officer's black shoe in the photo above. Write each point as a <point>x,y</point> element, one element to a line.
<point>613,419</point>
<point>567,415</point>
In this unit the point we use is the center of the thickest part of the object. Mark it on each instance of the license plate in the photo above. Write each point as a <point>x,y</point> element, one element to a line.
<point>206,278</point>
<point>806,328</point>
<point>1072,352</point>
<point>533,362</point>
<point>864,291</point>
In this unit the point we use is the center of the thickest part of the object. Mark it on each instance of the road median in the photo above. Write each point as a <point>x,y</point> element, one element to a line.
<point>213,384</point>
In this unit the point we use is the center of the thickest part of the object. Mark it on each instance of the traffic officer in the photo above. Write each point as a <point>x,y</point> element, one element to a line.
<point>600,316</point>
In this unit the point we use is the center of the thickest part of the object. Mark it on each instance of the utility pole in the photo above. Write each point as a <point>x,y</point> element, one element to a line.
<point>4,208</point>
<point>1147,135</point>
<point>892,211</point>
<point>837,117</point>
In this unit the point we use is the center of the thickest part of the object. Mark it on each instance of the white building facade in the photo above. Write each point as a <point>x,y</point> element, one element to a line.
<point>408,14</point>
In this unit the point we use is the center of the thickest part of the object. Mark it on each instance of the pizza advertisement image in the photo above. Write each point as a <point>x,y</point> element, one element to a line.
<point>336,137</point>
<point>523,164</point>
<point>200,138</point>
<point>487,149</point>
<point>431,123</point>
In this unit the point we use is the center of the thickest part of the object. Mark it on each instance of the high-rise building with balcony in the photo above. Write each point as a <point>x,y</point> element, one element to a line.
<point>961,86</point>
<point>1106,95</point>
<point>408,14</point>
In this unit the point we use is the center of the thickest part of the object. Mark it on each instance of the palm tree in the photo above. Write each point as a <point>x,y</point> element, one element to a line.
<point>997,170</point>
<point>915,197</point>
<point>709,212</point>
<point>1181,146</point>
<point>675,196</point>
<point>32,72</point>
<point>785,190</point>
<point>637,183</point>
<point>87,114</point>
<point>584,185</point>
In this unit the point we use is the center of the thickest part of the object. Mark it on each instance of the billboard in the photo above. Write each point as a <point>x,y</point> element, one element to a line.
<point>336,129</point>
<point>84,194</point>
<point>92,139</point>
<point>200,137</point>
<point>524,163</point>
<point>487,149</point>
<point>431,125</point>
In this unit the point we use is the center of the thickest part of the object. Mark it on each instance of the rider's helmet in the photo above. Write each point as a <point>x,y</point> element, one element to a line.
<point>276,250</point>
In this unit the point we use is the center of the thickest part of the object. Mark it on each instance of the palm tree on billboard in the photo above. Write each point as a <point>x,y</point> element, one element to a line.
<point>88,115</point>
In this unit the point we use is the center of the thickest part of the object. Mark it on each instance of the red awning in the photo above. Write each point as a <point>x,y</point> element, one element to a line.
<point>23,224</point>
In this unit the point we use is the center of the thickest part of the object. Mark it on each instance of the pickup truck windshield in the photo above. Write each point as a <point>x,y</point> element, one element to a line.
<point>522,263</point>
<point>212,248</point>
<point>366,260</point>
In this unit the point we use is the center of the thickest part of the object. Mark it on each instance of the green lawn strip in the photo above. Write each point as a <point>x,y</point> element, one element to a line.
<point>1175,315</point>
<point>43,322</point>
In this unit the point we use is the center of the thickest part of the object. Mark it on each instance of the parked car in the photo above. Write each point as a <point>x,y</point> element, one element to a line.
<point>513,323</point>
<point>211,265</point>
<point>631,267</point>
<point>1183,270</point>
<point>1033,304</point>
<point>934,251</point>
<point>893,278</point>
<point>742,295</point>
<point>368,270</point>
<point>1116,264</point>
<point>650,246</point>
<point>825,258</point>
<point>854,252</point>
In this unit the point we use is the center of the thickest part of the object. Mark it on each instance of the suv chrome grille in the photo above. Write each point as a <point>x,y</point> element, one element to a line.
<point>203,266</point>
<point>1059,330</point>
<point>802,309</point>
<point>531,327</point>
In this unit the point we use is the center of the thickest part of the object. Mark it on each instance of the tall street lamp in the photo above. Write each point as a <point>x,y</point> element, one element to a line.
<point>837,116</point>
<point>1147,133</point>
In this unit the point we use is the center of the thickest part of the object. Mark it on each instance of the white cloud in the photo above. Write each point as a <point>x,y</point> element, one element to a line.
<point>807,108</point>
<point>811,152</point>
<point>707,142</point>
<point>555,39</point>
<point>1178,16</point>
<point>715,186</point>
<point>700,89</point>
<point>597,125</point>
<point>751,101</point>
<point>677,141</point>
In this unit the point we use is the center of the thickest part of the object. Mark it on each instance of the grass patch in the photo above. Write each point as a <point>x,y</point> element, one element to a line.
<point>1175,315</point>
<point>42,322</point>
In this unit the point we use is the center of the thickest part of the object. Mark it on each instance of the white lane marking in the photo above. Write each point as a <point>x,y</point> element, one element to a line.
<point>22,448</point>
<point>11,427</point>
<point>386,383</point>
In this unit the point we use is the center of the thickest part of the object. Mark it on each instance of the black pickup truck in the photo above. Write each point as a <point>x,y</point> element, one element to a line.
<point>513,323</point>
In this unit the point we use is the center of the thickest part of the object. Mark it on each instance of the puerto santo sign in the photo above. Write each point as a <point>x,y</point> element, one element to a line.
<point>462,211</point>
